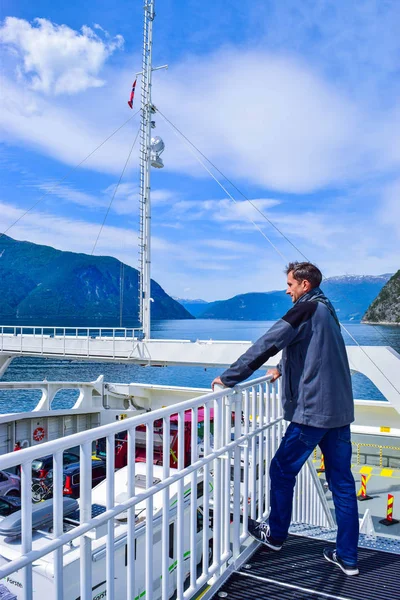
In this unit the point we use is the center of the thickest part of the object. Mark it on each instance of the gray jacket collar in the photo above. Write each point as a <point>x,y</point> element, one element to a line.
<point>317,295</point>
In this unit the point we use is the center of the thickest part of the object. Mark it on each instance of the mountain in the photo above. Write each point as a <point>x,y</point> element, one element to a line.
<point>44,286</point>
<point>195,307</point>
<point>350,295</point>
<point>255,306</point>
<point>386,307</point>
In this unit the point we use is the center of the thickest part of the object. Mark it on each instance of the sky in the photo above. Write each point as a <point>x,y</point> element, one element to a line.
<point>296,103</point>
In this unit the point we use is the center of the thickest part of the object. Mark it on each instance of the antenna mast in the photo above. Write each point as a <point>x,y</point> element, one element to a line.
<point>145,142</point>
<point>150,151</point>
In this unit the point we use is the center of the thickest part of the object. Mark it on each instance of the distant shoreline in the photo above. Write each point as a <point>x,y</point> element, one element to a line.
<point>380,323</point>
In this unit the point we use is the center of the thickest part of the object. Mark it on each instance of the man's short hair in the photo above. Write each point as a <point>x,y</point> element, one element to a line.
<point>305,270</point>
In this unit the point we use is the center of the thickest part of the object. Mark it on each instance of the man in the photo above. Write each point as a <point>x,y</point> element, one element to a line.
<point>317,399</point>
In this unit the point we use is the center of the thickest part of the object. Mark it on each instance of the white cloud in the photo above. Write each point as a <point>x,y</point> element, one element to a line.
<point>55,59</point>
<point>64,132</point>
<point>71,195</point>
<point>228,245</point>
<point>213,268</point>
<point>263,118</point>
<point>161,196</point>
<point>126,198</point>
<point>68,234</point>
<point>223,211</point>
<point>267,119</point>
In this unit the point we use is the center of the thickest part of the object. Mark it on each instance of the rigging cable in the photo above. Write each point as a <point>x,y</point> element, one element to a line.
<point>235,187</point>
<point>66,175</point>
<point>192,146</point>
<point>189,144</point>
<point>115,191</point>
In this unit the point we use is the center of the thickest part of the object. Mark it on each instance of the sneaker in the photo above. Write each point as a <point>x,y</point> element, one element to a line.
<point>261,533</point>
<point>331,555</point>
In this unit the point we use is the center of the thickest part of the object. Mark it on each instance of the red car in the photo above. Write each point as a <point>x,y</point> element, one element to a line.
<point>72,477</point>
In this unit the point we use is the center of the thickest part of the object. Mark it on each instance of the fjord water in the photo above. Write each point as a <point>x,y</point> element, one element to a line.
<point>37,369</point>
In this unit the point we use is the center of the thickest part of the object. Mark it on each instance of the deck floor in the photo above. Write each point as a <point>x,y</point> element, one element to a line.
<point>300,572</point>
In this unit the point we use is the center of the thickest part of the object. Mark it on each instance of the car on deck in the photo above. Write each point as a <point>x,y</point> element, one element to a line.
<point>41,466</point>
<point>10,484</point>
<point>71,479</point>
<point>9,505</point>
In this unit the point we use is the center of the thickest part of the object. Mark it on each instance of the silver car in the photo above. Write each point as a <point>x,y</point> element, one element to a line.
<point>10,484</point>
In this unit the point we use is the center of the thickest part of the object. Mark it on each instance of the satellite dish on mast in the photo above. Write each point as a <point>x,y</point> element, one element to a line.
<point>157,147</point>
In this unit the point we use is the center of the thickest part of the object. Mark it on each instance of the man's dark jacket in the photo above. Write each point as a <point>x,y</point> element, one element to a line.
<point>316,381</point>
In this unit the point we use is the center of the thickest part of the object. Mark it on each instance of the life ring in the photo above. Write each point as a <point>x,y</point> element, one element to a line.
<point>39,434</point>
<point>25,444</point>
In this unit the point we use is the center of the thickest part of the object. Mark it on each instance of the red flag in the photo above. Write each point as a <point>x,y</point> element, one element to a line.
<point>130,101</point>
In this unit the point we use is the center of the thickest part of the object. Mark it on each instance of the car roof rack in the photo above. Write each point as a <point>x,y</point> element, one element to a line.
<point>42,516</point>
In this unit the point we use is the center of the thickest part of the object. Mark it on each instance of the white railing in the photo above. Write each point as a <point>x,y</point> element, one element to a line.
<point>76,332</point>
<point>380,364</point>
<point>50,389</point>
<point>66,341</point>
<point>247,427</point>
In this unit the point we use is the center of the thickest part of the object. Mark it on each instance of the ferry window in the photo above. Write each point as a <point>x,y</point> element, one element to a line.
<point>126,552</point>
<point>241,474</point>
<point>199,521</point>
<point>70,458</point>
<point>98,471</point>
<point>200,489</point>
<point>171,540</point>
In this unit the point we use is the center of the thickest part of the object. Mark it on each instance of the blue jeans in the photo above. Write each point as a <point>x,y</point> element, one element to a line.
<point>296,446</point>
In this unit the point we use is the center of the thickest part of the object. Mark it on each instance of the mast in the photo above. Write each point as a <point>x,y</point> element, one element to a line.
<point>145,149</point>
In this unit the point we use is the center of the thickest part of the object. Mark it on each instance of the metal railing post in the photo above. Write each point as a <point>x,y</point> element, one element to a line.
<point>180,508</point>
<point>149,510</point>
<point>165,516</point>
<point>26,525</point>
<point>58,522</point>
<point>194,500</point>
<point>110,467</point>
<point>131,550</point>
<point>85,488</point>
<point>237,479</point>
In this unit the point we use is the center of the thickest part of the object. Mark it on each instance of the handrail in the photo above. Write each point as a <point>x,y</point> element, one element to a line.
<point>33,452</point>
<point>254,410</point>
<point>73,331</point>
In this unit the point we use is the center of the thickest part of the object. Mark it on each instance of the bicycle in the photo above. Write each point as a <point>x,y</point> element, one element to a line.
<point>41,491</point>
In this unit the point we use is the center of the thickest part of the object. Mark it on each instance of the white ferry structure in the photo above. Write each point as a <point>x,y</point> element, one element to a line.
<point>175,526</point>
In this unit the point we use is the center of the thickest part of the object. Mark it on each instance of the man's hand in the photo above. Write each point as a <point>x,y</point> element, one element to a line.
<point>217,381</point>
<point>275,374</point>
